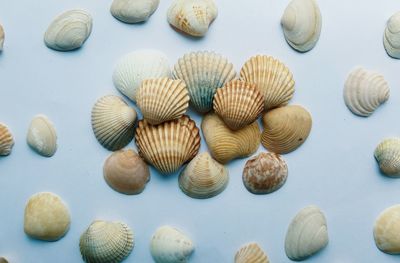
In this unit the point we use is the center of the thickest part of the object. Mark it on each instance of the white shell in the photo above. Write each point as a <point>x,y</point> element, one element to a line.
<point>391,37</point>
<point>386,230</point>
<point>2,36</point>
<point>251,253</point>
<point>133,11</point>
<point>387,154</point>
<point>42,136</point>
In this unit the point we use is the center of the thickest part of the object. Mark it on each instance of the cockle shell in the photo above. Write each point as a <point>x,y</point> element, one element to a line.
<point>387,229</point>
<point>251,253</point>
<point>387,154</point>
<point>169,145</point>
<point>113,122</point>
<point>133,11</point>
<point>106,242</point>
<point>364,91</point>
<point>307,234</point>
<point>162,99</point>
<point>285,128</point>
<point>238,104</point>
<point>170,245</point>
<point>226,144</point>
<point>2,36</point>
<point>42,136</point>
<point>6,140</point>
<point>272,77</point>
<point>69,30</point>
<point>391,37</point>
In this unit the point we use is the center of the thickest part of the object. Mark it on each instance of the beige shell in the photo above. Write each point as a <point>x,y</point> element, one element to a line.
<point>251,253</point>
<point>226,144</point>
<point>285,128</point>
<point>387,154</point>
<point>272,77</point>
<point>3,260</point>
<point>169,145</point>
<point>113,122</point>
<point>133,11</point>
<point>162,99</point>
<point>42,136</point>
<point>391,36</point>
<point>387,229</point>
<point>238,103</point>
<point>6,140</point>
<point>2,37</point>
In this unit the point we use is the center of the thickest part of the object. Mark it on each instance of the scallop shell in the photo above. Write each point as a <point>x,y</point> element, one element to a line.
<point>386,230</point>
<point>301,23</point>
<point>272,77</point>
<point>226,144</point>
<point>113,122</point>
<point>203,72</point>
<point>162,99</point>
<point>387,154</point>
<point>170,245</point>
<point>137,66</point>
<point>285,128</point>
<point>391,37</point>
<point>42,136</point>
<point>2,36</point>
<point>169,145</point>
<point>364,91</point>
<point>133,11</point>
<point>251,253</point>
<point>238,103</point>
<point>307,234</point>
<point>106,242</point>
<point>69,30</point>
<point>203,177</point>
<point>6,140</point>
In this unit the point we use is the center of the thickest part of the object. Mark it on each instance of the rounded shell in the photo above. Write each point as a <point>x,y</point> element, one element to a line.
<point>251,253</point>
<point>391,36</point>
<point>3,260</point>
<point>2,37</point>
<point>387,154</point>
<point>6,140</point>
<point>42,136</point>
<point>133,11</point>
<point>386,230</point>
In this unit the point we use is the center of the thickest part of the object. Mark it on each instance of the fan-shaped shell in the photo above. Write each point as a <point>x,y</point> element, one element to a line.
<point>42,136</point>
<point>387,154</point>
<point>391,37</point>
<point>203,72</point>
<point>133,11</point>
<point>251,253</point>
<point>387,229</point>
<point>6,140</point>
<point>2,36</point>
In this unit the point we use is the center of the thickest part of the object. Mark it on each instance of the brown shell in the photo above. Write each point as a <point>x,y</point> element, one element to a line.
<point>6,140</point>
<point>251,253</point>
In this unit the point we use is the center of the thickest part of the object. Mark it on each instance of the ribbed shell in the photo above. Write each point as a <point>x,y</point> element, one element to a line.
<point>391,36</point>
<point>387,154</point>
<point>251,253</point>
<point>6,140</point>
<point>42,136</point>
<point>133,11</point>
<point>387,229</point>
<point>2,36</point>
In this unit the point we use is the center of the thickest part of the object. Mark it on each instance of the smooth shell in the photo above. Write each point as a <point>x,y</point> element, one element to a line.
<point>251,253</point>
<point>391,36</point>
<point>133,11</point>
<point>2,37</point>
<point>387,229</point>
<point>42,136</point>
<point>387,154</point>
<point>6,140</point>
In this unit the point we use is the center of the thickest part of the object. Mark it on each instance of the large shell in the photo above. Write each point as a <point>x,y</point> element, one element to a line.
<point>169,145</point>
<point>170,245</point>
<point>387,229</point>
<point>307,234</point>
<point>6,140</point>
<point>106,242</point>
<point>272,77</point>
<point>251,253</point>
<point>301,23</point>
<point>285,128</point>
<point>42,136</point>
<point>69,30</point>
<point>133,11</point>
<point>226,144</point>
<point>238,103</point>
<point>203,72</point>
<point>162,99</point>
<point>3,260</point>
<point>113,122</point>
<point>387,154</point>
<point>391,36</point>
<point>364,91</point>
<point>2,36</point>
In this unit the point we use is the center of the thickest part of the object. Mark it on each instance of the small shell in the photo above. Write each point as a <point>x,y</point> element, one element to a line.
<point>307,234</point>
<point>170,245</point>
<point>238,103</point>
<point>2,36</point>
<point>285,128</point>
<point>6,140</point>
<point>113,122</point>
<point>272,77</point>
<point>251,253</point>
<point>387,229</point>
<point>391,37</point>
<point>387,153</point>
<point>162,99</point>
<point>69,30</point>
<point>203,72</point>
<point>133,11</point>
<point>3,260</point>
<point>226,144</point>
<point>42,136</point>
<point>364,91</point>
<point>106,242</point>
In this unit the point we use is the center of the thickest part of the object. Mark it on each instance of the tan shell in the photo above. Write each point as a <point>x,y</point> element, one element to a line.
<point>387,154</point>
<point>286,128</point>
<point>387,229</point>
<point>226,144</point>
<point>2,37</point>
<point>3,260</point>
<point>251,253</point>
<point>162,99</point>
<point>6,140</point>
<point>42,136</point>
<point>238,103</point>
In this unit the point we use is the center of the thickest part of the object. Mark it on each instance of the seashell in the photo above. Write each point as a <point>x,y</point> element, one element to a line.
<point>386,230</point>
<point>391,37</point>
<point>238,104</point>
<point>46,217</point>
<point>301,23</point>
<point>162,99</point>
<point>133,11</point>
<point>272,77</point>
<point>192,17</point>
<point>169,145</point>
<point>364,91</point>
<point>2,36</point>
<point>113,122</point>
<point>251,253</point>
<point>226,144</point>
<point>170,245</point>
<point>69,30</point>
<point>307,234</point>
<point>106,242</point>
<point>265,173</point>
<point>126,172</point>
<point>3,260</point>
<point>387,153</point>
<point>42,136</point>
<point>6,140</point>
<point>137,66</point>
<point>285,128</point>
<point>203,72</point>
<point>203,177</point>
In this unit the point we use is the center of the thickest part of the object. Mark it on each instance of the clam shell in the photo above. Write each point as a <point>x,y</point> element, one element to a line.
<point>387,154</point>
<point>285,128</point>
<point>307,234</point>
<point>42,136</point>
<point>162,99</point>
<point>69,30</point>
<point>251,253</point>
<point>169,145</point>
<point>391,36</point>
<point>2,36</point>
<point>6,140</point>
<point>364,91</point>
<point>106,242</point>
<point>387,229</point>
<point>272,77</point>
<point>238,104</point>
<point>113,122</point>
<point>3,260</point>
<point>226,144</point>
<point>133,11</point>
<point>203,72</point>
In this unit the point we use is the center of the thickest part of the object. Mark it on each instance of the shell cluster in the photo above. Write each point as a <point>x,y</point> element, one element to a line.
<point>386,230</point>
<point>42,136</point>
<point>133,11</point>
<point>251,253</point>
<point>387,154</point>
<point>391,36</point>
<point>6,140</point>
